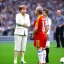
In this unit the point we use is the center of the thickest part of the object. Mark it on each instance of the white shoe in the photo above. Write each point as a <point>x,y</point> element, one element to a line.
<point>22,61</point>
<point>15,62</point>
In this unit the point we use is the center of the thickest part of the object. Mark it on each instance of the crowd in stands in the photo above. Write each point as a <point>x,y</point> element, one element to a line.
<point>9,8</point>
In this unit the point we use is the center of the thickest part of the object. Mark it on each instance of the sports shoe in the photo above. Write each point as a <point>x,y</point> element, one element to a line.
<point>15,62</point>
<point>22,61</point>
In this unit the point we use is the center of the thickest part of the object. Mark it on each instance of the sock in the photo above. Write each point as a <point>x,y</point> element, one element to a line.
<point>22,58</point>
<point>42,56</point>
<point>15,60</point>
<point>48,44</point>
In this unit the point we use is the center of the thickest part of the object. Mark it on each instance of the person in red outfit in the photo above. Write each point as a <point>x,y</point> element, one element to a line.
<point>39,35</point>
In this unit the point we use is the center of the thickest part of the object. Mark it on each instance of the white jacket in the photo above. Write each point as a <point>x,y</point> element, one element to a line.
<point>20,20</point>
<point>48,22</point>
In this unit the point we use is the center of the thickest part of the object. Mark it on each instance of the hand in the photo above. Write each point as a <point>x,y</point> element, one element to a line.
<point>32,37</point>
<point>25,25</point>
<point>60,26</point>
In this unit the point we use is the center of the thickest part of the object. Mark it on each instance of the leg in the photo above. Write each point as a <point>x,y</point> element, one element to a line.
<point>17,47</point>
<point>44,57</point>
<point>47,55</point>
<point>61,36</point>
<point>57,37</point>
<point>41,56</point>
<point>15,57</point>
<point>22,56</point>
<point>47,48</point>
<point>23,48</point>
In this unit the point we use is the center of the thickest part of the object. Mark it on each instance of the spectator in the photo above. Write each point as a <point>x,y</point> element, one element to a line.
<point>10,8</point>
<point>59,29</point>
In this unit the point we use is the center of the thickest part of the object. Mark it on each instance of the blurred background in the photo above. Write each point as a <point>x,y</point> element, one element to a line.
<point>9,8</point>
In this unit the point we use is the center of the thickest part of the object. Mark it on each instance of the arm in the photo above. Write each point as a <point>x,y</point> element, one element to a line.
<point>61,25</point>
<point>48,25</point>
<point>18,21</point>
<point>63,22</point>
<point>35,29</point>
<point>46,28</point>
<point>21,23</point>
<point>28,23</point>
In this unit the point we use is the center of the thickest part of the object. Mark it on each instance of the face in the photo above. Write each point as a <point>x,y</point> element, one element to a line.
<point>23,11</point>
<point>58,13</point>
<point>36,12</point>
<point>44,13</point>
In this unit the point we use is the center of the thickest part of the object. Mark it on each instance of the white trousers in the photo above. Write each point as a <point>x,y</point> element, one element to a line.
<point>20,43</point>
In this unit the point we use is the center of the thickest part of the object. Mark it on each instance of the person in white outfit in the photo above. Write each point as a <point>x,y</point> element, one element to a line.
<point>48,23</point>
<point>21,33</point>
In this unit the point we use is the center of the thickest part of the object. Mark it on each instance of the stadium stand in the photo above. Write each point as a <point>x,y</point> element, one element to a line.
<point>9,8</point>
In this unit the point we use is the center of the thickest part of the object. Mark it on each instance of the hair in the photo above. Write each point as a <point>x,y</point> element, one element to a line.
<point>22,7</point>
<point>46,10</point>
<point>39,9</point>
<point>58,10</point>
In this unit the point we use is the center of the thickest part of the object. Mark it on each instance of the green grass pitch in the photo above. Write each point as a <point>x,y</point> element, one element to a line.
<point>7,54</point>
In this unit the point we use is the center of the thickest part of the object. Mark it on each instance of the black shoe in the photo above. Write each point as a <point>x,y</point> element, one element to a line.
<point>58,46</point>
<point>47,61</point>
<point>62,46</point>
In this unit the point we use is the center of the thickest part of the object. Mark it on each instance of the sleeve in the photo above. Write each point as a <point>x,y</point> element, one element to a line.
<point>35,26</point>
<point>18,20</point>
<point>63,19</point>
<point>55,21</point>
<point>48,22</point>
<point>36,22</point>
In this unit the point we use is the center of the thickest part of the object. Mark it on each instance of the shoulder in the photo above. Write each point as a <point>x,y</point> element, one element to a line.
<point>62,16</point>
<point>18,14</point>
<point>42,17</point>
<point>27,15</point>
<point>38,18</point>
<point>49,19</point>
